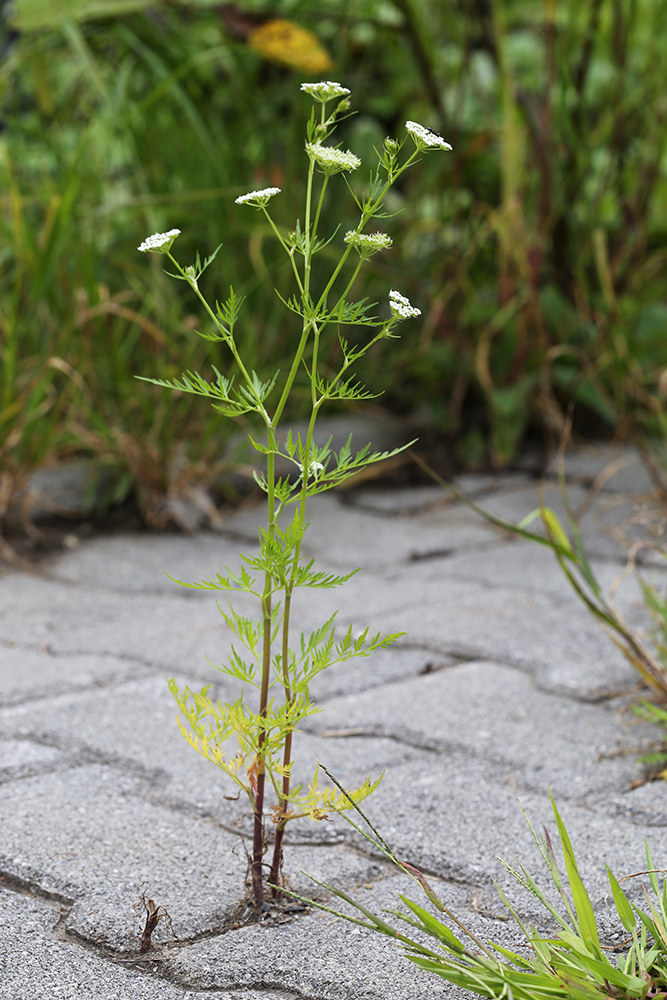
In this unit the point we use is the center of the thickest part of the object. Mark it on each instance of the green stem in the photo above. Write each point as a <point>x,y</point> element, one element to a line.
<point>310,237</point>
<point>229,339</point>
<point>283,804</point>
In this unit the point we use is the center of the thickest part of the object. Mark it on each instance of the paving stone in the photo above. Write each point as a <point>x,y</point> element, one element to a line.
<point>30,673</point>
<point>91,836</point>
<point>22,757</point>
<point>343,960</point>
<point>490,697</point>
<point>134,728</point>
<point>348,537</point>
<point>646,805</point>
<point>620,468</point>
<point>608,527</point>
<point>554,638</point>
<point>373,966</point>
<point>152,630</point>
<point>494,713</point>
<point>36,965</point>
<point>141,562</point>
<point>456,817</point>
<point>559,642</point>
<point>413,500</point>
<point>71,489</point>
<point>524,564</point>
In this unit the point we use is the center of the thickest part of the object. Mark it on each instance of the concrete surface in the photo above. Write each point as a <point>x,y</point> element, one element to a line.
<point>503,687</point>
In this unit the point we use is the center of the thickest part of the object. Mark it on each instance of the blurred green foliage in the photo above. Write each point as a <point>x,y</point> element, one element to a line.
<point>536,250</point>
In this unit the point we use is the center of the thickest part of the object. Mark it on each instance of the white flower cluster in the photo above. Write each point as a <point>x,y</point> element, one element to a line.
<point>400,306</point>
<point>259,198</point>
<point>366,245</point>
<point>331,160</point>
<point>159,242</point>
<point>425,138</point>
<point>325,90</point>
<point>314,469</point>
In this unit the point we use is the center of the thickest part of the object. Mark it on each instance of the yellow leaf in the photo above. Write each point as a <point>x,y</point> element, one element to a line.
<point>284,42</point>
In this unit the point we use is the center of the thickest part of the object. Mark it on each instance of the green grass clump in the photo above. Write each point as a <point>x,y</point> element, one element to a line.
<point>570,964</point>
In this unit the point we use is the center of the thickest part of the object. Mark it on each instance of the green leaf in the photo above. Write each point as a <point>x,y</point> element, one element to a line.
<point>435,927</point>
<point>582,903</point>
<point>625,911</point>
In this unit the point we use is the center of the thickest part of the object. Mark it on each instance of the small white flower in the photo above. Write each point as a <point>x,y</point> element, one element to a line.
<point>330,159</point>
<point>325,90</point>
<point>159,242</point>
<point>425,138</point>
<point>401,307</point>
<point>366,245</point>
<point>314,470</point>
<point>258,198</point>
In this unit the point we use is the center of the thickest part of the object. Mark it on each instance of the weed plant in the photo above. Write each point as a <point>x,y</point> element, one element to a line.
<point>572,964</point>
<point>322,307</point>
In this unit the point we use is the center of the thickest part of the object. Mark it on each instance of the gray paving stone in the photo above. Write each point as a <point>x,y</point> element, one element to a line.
<point>22,757</point>
<point>523,564</point>
<point>140,562</point>
<point>456,817</point>
<point>620,468</point>
<point>494,713</point>
<point>350,961</point>
<point>36,965</point>
<point>490,697</point>
<point>90,835</point>
<point>554,638</point>
<point>411,500</point>
<point>33,673</point>
<point>609,526</point>
<point>646,805</point>
<point>343,960</point>
<point>134,728</point>
<point>348,537</point>
<point>157,631</point>
<point>559,642</point>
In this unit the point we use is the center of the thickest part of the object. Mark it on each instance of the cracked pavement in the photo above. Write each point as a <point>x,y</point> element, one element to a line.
<point>503,687</point>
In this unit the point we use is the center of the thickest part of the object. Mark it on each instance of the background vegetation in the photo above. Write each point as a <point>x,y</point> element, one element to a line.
<point>536,250</point>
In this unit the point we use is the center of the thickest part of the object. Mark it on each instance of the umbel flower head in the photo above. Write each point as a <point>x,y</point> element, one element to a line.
<point>325,91</point>
<point>367,245</point>
<point>332,160</point>
<point>425,138</point>
<point>314,470</point>
<point>401,307</point>
<point>159,242</point>
<point>257,198</point>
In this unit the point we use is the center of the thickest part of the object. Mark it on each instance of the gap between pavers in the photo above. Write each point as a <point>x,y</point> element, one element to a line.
<point>348,961</point>
<point>90,835</point>
<point>36,965</point>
